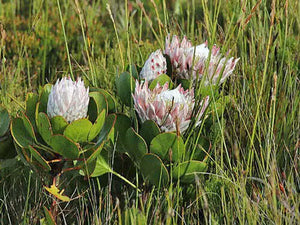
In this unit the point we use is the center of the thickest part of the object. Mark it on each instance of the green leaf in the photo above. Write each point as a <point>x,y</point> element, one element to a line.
<point>149,130</point>
<point>102,166</point>
<point>161,79</point>
<point>64,146</point>
<point>125,87</point>
<point>22,131</point>
<point>123,122</point>
<point>154,170</point>
<point>111,102</point>
<point>44,98</point>
<point>44,127</point>
<point>168,146</point>
<point>100,101</point>
<point>4,121</point>
<point>97,126</point>
<point>39,158</point>
<point>107,128</point>
<point>92,154</point>
<point>135,146</point>
<point>31,103</point>
<point>58,124</point>
<point>78,130</point>
<point>186,171</point>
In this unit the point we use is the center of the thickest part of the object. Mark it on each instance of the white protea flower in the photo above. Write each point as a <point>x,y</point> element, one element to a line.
<point>69,99</point>
<point>218,68</point>
<point>170,109</point>
<point>155,65</point>
<point>189,62</point>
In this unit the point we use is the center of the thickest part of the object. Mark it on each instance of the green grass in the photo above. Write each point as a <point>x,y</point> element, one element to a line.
<point>254,164</point>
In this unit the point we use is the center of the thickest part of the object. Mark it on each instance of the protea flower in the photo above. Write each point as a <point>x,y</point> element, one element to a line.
<point>177,50</point>
<point>189,62</point>
<point>170,109</point>
<point>154,66</point>
<point>69,99</point>
<point>218,68</point>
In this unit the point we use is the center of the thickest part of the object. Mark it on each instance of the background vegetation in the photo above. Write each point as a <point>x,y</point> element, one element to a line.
<point>254,167</point>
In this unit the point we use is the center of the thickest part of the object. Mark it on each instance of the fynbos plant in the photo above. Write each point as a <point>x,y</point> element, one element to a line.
<point>158,137</point>
<point>63,128</point>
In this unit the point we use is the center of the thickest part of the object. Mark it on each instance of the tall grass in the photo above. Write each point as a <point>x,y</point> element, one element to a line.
<point>254,164</point>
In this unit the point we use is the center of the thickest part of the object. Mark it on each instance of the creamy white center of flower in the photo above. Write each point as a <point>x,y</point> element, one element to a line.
<point>171,95</point>
<point>201,51</point>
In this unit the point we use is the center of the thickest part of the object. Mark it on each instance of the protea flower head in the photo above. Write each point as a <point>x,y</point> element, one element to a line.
<point>219,68</point>
<point>176,50</point>
<point>154,66</point>
<point>69,99</point>
<point>190,61</point>
<point>170,109</point>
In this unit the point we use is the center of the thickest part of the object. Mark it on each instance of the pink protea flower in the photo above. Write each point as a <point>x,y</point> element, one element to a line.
<point>154,66</point>
<point>189,62</point>
<point>168,108</point>
<point>69,99</point>
<point>176,50</point>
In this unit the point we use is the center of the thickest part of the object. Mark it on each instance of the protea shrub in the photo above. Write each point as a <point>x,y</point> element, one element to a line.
<point>156,143</point>
<point>61,124</point>
<point>164,135</point>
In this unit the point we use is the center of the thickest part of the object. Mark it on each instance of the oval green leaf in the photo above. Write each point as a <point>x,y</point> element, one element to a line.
<point>44,98</point>
<point>186,171</point>
<point>102,166</point>
<point>168,146</point>
<point>125,87</point>
<point>107,128</point>
<point>22,131</point>
<point>135,146</point>
<point>111,102</point>
<point>98,100</point>
<point>58,124</point>
<point>154,170</point>
<point>97,126</point>
<point>64,146</point>
<point>44,127</point>
<point>31,103</point>
<point>149,130</point>
<point>78,130</point>
<point>123,122</point>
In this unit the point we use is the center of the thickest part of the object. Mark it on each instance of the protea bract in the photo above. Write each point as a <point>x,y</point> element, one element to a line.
<point>170,109</point>
<point>69,99</point>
